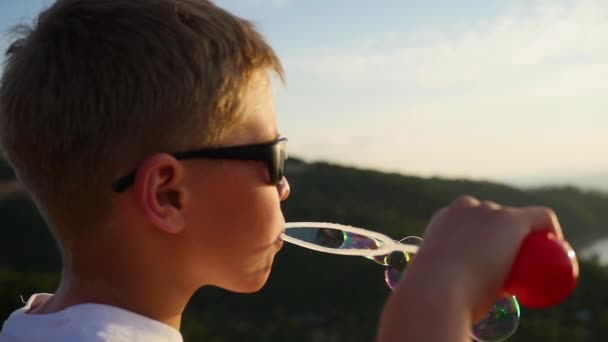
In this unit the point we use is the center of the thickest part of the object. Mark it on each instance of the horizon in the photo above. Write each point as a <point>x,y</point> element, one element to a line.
<point>509,92</point>
<point>586,182</point>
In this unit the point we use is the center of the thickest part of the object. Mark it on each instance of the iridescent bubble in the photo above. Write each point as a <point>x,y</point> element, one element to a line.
<point>380,259</point>
<point>398,261</point>
<point>333,238</point>
<point>499,324</point>
<point>411,240</point>
<point>356,241</point>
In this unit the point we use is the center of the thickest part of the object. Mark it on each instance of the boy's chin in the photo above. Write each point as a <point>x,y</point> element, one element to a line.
<point>247,288</point>
<point>251,283</point>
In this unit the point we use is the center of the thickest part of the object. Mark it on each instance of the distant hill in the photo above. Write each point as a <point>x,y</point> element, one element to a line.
<point>590,180</point>
<point>401,205</point>
<point>395,204</point>
<point>319,297</point>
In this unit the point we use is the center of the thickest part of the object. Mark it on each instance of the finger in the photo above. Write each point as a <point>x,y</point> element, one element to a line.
<point>540,218</point>
<point>438,214</point>
<point>489,205</point>
<point>464,201</point>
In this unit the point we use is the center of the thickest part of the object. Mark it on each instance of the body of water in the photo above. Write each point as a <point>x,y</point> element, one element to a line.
<point>598,248</point>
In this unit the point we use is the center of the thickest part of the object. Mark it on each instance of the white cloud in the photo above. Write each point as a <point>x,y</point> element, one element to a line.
<point>554,35</point>
<point>518,95</point>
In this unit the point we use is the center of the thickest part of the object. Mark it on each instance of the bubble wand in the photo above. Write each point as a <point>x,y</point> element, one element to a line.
<point>543,274</point>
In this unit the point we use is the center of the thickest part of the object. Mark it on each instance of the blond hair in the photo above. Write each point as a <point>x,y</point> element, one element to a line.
<point>97,84</point>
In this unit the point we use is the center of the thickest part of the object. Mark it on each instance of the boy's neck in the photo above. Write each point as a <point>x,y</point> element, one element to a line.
<point>134,287</point>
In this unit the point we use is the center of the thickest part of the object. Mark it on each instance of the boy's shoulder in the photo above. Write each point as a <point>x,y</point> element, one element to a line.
<point>84,322</point>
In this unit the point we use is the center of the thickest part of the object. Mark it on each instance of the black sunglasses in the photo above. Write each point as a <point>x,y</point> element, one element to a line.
<point>273,153</point>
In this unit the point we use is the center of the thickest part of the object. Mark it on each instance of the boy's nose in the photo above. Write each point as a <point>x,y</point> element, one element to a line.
<point>283,189</point>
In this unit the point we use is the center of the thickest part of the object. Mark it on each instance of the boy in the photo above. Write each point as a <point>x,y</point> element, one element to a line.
<point>146,135</point>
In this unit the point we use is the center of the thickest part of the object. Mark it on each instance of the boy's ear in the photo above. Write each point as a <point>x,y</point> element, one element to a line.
<point>161,192</point>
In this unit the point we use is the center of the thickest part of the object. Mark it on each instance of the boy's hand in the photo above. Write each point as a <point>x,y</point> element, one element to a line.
<point>459,271</point>
<point>478,242</point>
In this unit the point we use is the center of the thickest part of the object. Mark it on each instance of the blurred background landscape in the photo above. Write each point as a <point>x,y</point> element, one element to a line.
<point>393,109</point>
<point>312,296</point>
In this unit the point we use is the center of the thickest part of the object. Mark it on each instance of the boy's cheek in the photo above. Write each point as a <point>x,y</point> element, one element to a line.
<point>242,214</point>
<point>235,212</point>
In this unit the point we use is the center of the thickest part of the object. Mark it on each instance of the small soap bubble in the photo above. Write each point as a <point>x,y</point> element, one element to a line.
<point>356,241</point>
<point>500,323</point>
<point>398,261</point>
<point>380,259</point>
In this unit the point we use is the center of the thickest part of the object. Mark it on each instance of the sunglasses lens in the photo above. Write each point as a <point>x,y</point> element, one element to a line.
<point>279,162</point>
<point>281,167</point>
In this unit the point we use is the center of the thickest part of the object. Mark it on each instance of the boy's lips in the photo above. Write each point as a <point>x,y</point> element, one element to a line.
<point>276,244</point>
<point>279,242</point>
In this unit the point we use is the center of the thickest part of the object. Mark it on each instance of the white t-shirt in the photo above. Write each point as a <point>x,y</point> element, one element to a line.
<point>84,323</point>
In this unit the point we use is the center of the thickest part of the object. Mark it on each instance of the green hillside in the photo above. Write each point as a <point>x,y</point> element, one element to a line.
<point>402,205</point>
<point>317,297</point>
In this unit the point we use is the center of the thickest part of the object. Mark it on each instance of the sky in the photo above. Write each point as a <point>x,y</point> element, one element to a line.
<point>509,91</point>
